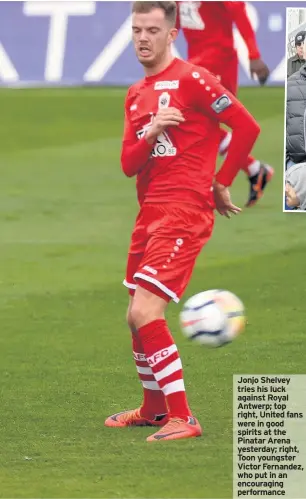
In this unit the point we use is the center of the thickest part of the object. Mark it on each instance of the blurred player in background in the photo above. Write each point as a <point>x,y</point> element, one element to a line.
<point>171,140</point>
<point>208,30</point>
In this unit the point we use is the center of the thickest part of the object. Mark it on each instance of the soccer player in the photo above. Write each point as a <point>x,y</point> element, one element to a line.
<point>208,30</point>
<point>170,143</point>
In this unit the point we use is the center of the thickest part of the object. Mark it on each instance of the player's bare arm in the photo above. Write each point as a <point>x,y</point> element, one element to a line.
<point>240,18</point>
<point>164,118</point>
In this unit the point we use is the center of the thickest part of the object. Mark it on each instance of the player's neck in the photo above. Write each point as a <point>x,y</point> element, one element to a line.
<point>155,70</point>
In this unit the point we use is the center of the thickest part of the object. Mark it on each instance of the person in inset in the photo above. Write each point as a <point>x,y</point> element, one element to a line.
<point>297,61</point>
<point>296,117</point>
<point>295,189</point>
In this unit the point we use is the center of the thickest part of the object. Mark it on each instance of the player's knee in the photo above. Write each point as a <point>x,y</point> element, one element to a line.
<point>138,314</point>
<point>142,314</point>
<point>146,307</point>
<point>130,322</point>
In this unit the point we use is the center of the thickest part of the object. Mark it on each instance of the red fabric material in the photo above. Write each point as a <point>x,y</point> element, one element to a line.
<point>249,160</point>
<point>162,233</point>
<point>183,160</point>
<point>238,13</point>
<point>156,340</point>
<point>208,29</point>
<point>154,401</point>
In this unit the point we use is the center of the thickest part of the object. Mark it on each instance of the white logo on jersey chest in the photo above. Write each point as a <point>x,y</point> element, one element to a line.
<point>167,85</point>
<point>163,146</point>
<point>163,100</point>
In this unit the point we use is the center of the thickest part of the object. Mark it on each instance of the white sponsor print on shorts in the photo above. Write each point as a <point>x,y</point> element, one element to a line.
<point>150,269</point>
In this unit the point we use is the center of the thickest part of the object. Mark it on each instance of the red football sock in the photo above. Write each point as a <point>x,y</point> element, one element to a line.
<point>163,358</point>
<point>154,402</point>
<point>252,165</point>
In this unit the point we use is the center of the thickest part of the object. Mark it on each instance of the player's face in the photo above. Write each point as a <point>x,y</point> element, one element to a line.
<point>291,197</point>
<point>152,36</point>
<point>300,50</point>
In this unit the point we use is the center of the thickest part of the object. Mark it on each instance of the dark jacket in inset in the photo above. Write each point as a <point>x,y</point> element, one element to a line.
<point>294,64</point>
<point>296,117</point>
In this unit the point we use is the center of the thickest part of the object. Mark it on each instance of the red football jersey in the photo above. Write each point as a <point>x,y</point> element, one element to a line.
<point>208,30</point>
<point>180,166</point>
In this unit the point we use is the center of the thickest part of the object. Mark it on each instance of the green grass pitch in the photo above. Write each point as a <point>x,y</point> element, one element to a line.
<point>65,361</point>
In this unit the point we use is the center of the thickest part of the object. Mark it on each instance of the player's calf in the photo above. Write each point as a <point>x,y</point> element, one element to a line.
<point>161,352</point>
<point>153,398</point>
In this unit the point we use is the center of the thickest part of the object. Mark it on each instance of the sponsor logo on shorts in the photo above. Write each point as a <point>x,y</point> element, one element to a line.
<point>169,85</point>
<point>149,269</point>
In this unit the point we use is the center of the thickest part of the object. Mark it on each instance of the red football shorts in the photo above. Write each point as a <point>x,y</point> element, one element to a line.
<point>165,243</point>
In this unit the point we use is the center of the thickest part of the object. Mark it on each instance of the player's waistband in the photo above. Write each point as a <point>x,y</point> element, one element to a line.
<point>181,197</point>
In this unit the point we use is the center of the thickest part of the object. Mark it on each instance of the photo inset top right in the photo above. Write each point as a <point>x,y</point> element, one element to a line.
<point>295,160</point>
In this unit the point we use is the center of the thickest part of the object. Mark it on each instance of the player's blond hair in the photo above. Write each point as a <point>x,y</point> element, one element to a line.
<point>169,9</point>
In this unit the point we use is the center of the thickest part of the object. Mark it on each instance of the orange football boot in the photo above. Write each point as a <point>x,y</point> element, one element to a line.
<point>177,428</point>
<point>133,418</point>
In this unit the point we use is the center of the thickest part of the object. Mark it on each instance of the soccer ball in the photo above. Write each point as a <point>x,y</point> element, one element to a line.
<point>213,318</point>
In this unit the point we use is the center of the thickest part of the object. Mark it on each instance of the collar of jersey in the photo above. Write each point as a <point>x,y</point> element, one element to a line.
<point>150,79</point>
